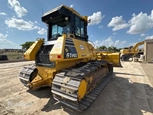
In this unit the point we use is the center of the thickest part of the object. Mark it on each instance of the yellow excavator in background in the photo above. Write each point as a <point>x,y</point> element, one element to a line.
<point>67,62</point>
<point>132,51</point>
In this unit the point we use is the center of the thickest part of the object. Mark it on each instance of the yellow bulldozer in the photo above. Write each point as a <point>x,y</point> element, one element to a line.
<point>132,51</point>
<point>67,62</point>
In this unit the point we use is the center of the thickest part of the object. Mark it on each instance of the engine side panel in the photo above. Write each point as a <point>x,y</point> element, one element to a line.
<point>66,49</point>
<point>30,54</point>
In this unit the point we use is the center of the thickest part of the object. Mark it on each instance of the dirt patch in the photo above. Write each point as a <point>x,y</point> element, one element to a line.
<point>128,93</point>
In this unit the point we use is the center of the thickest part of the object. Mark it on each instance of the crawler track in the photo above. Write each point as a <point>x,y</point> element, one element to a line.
<point>25,74</point>
<point>76,74</point>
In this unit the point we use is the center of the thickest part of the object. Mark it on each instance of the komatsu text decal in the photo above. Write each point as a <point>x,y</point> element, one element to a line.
<point>70,52</point>
<point>71,55</point>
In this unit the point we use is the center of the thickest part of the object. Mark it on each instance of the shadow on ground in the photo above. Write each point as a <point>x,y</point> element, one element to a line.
<point>44,92</point>
<point>118,98</point>
<point>127,74</point>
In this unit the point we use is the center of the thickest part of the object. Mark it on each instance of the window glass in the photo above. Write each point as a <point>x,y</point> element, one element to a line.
<point>77,27</point>
<point>58,30</point>
<point>54,29</point>
<point>82,29</point>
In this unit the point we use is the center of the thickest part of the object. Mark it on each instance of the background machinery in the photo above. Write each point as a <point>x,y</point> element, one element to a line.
<point>132,51</point>
<point>66,62</point>
<point>3,57</point>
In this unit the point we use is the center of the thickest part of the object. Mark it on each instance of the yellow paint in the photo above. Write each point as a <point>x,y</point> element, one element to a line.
<point>134,50</point>
<point>46,74</point>
<point>85,52</point>
<point>44,77</point>
<point>113,58</point>
<point>58,49</point>
<point>31,52</point>
<point>82,89</point>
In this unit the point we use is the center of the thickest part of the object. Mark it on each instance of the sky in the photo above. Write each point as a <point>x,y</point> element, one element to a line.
<point>118,23</point>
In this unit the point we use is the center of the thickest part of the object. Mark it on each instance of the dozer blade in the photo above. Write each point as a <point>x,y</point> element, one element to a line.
<point>114,58</point>
<point>92,70</point>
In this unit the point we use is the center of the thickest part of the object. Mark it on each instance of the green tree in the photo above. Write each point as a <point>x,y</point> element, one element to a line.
<point>102,48</point>
<point>118,50</point>
<point>114,49</point>
<point>110,49</point>
<point>26,45</point>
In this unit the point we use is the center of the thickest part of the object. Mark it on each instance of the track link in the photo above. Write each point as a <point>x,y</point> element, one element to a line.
<point>76,74</point>
<point>25,74</point>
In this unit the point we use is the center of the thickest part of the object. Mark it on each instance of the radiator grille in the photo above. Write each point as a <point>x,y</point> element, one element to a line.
<point>43,56</point>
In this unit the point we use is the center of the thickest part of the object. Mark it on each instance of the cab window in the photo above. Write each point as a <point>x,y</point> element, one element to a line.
<point>79,27</point>
<point>82,29</point>
<point>56,30</point>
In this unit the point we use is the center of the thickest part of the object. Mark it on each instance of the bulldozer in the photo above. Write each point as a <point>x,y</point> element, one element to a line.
<point>67,62</point>
<point>132,51</point>
<point>3,57</point>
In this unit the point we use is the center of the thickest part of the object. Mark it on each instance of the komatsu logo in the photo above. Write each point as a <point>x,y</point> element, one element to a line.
<point>81,47</point>
<point>71,55</point>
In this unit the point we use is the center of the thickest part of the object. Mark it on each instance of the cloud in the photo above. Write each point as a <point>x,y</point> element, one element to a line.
<point>2,36</point>
<point>36,22</point>
<point>149,37</point>
<point>41,31</point>
<point>118,23</point>
<point>19,10</point>
<point>109,42</point>
<point>96,18</point>
<point>23,25</point>
<point>91,36</point>
<point>143,35</point>
<point>132,44</point>
<point>71,5</point>
<point>119,43</point>
<point>20,24</point>
<point>101,26</point>
<point>140,23</point>
<point>114,33</point>
<point>6,43</point>
<point>2,13</point>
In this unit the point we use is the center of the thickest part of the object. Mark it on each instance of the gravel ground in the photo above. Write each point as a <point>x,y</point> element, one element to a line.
<point>129,92</point>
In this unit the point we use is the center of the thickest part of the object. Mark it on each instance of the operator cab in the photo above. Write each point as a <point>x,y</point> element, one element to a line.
<point>65,20</point>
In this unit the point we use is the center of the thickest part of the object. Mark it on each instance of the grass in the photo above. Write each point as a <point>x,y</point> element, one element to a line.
<point>13,55</point>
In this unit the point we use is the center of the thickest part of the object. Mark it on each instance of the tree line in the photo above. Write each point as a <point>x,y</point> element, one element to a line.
<point>112,49</point>
<point>26,45</point>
